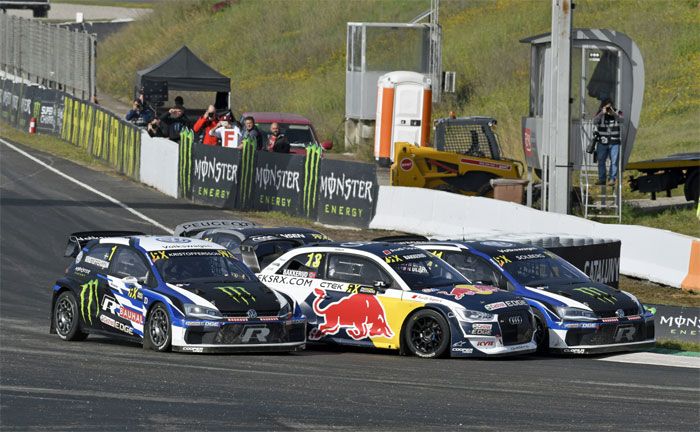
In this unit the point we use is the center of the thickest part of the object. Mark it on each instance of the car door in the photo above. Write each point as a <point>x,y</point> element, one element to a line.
<point>91,274</point>
<point>349,309</point>
<point>122,305</point>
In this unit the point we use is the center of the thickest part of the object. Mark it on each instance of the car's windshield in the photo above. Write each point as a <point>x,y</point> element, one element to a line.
<point>541,270</point>
<point>201,266</point>
<point>419,269</point>
<point>295,133</point>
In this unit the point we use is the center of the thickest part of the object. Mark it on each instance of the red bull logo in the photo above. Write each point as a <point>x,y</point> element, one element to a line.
<point>361,315</point>
<point>461,290</point>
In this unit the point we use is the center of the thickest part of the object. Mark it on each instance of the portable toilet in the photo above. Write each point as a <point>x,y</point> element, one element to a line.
<point>404,107</point>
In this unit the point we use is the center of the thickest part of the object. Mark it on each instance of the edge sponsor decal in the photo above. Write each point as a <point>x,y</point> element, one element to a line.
<point>503,304</point>
<point>116,324</point>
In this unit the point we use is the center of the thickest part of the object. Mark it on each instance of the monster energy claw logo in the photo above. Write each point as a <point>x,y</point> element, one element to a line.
<point>597,294</point>
<point>311,163</point>
<point>186,140</point>
<point>238,294</point>
<point>248,147</point>
<point>89,290</point>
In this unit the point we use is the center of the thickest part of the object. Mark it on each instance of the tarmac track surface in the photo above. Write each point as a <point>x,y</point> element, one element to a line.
<point>100,384</point>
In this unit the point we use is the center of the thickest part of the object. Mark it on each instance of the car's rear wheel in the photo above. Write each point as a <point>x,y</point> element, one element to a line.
<point>427,334</point>
<point>541,333</point>
<point>66,319</point>
<point>158,332</point>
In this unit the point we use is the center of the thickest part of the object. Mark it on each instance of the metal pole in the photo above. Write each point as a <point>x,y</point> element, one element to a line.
<point>560,92</point>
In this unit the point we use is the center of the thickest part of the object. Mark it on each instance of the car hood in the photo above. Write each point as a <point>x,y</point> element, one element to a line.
<point>481,298</point>
<point>238,298</point>
<point>602,299</point>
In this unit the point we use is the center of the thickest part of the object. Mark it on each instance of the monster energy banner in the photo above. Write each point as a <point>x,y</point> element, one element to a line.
<point>347,193</point>
<point>278,181</point>
<point>6,99</point>
<point>214,174</point>
<point>601,262</point>
<point>185,163</point>
<point>676,323</point>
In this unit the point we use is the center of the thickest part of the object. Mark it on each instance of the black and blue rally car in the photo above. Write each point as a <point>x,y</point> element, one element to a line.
<point>170,292</point>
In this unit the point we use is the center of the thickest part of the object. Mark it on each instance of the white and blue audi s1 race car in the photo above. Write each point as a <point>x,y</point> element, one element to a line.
<point>170,293</point>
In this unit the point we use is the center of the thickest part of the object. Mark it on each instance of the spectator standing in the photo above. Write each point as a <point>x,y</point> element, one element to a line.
<point>276,141</point>
<point>175,121</point>
<point>208,121</point>
<point>227,132</point>
<point>154,130</point>
<point>139,115</point>
<point>607,138</point>
<point>252,131</point>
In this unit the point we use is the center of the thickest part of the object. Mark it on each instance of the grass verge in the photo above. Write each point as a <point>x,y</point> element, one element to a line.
<point>678,345</point>
<point>652,293</point>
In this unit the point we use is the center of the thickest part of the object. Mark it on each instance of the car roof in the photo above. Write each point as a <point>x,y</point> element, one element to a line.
<point>489,247</point>
<point>164,242</point>
<point>281,117</point>
<point>376,248</point>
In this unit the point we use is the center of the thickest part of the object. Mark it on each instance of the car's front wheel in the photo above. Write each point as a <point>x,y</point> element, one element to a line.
<point>158,331</point>
<point>427,334</point>
<point>66,319</point>
<point>541,333</point>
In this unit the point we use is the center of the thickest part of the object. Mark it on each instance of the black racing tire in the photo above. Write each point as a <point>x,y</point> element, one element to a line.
<point>158,333</point>
<point>427,334</point>
<point>541,332</point>
<point>66,317</point>
<point>485,190</point>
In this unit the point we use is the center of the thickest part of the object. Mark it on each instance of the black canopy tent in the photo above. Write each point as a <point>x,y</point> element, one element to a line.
<point>184,71</point>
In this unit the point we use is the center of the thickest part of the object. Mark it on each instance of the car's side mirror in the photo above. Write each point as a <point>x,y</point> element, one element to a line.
<point>72,250</point>
<point>130,281</point>
<point>381,285</point>
<point>327,144</point>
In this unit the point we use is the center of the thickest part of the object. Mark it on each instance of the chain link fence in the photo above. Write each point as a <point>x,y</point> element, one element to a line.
<point>47,54</point>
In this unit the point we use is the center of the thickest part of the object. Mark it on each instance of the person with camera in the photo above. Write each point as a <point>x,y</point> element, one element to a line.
<point>206,123</point>
<point>607,138</point>
<point>139,115</point>
<point>154,130</point>
<point>175,121</point>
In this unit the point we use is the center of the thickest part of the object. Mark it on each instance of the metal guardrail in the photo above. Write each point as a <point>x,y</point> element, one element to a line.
<point>48,54</point>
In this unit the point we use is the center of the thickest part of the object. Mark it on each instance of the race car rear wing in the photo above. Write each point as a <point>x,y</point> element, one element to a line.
<point>78,240</point>
<point>256,257</point>
<point>409,238</point>
<point>190,229</point>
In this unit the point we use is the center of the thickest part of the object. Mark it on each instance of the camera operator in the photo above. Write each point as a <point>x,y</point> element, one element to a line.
<point>139,115</point>
<point>207,121</point>
<point>607,139</point>
<point>154,130</point>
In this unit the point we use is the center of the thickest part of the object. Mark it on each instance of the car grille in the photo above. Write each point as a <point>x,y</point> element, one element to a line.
<point>232,334</point>
<point>607,313</point>
<point>608,334</point>
<point>514,333</point>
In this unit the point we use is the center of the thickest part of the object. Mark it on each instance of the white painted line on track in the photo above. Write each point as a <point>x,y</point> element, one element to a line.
<point>656,359</point>
<point>88,187</point>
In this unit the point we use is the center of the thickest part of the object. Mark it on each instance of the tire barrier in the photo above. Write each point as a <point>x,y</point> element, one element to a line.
<point>308,186</point>
<point>88,126</point>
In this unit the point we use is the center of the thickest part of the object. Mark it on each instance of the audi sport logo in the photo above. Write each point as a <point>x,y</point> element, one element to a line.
<point>515,320</point>
<point>406,164</point>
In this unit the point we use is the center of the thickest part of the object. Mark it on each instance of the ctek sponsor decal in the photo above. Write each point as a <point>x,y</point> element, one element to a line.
<point>361,315</point>
<point>88,296</point>
<point>311,164</point>
<point>238,294</point>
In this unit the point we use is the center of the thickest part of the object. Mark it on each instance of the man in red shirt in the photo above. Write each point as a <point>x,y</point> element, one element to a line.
<point>207,121</point>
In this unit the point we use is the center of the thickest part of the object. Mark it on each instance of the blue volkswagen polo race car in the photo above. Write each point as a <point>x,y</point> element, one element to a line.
<point>170,293</point>
<point>573,314</point>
